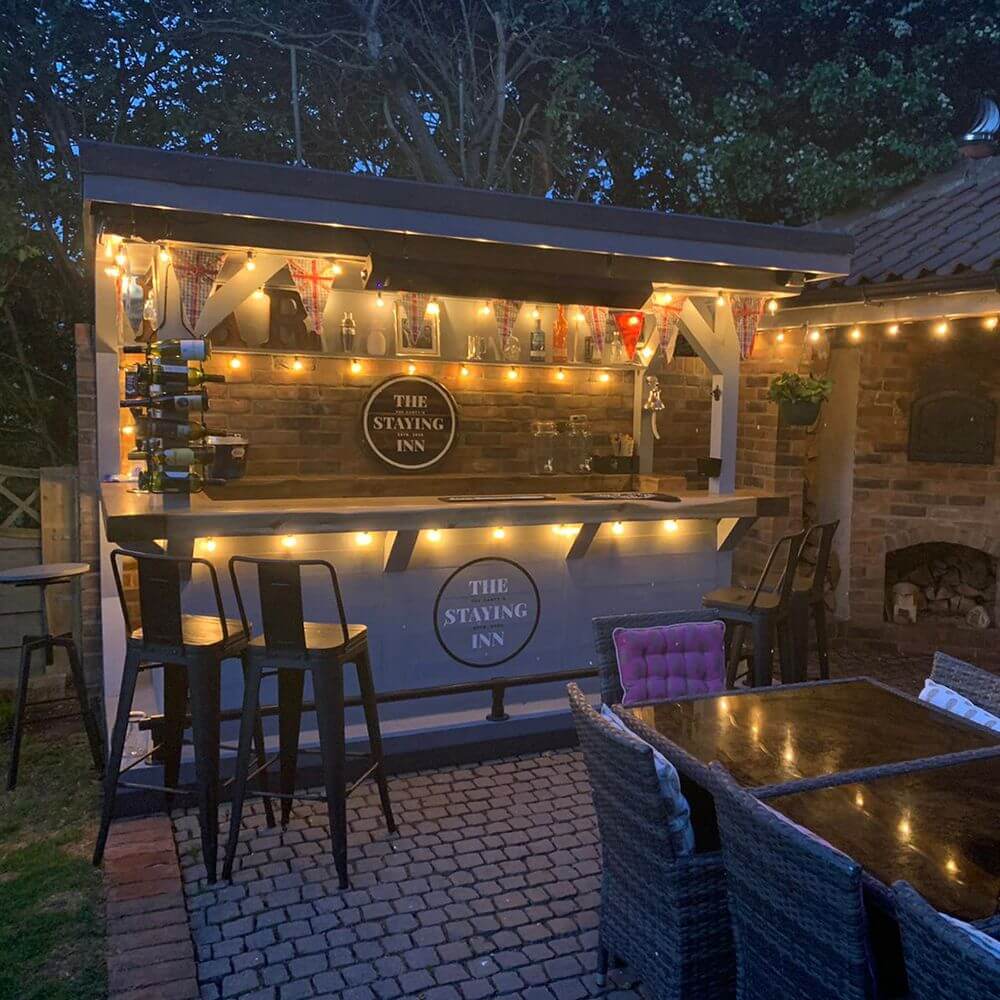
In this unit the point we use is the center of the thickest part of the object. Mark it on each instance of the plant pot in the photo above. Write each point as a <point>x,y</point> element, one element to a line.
<point>798,412</point>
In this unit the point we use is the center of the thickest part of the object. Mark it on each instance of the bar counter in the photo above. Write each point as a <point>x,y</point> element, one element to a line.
<point>267,507</point>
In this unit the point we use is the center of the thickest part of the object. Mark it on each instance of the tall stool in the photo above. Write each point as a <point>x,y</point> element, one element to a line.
<point>42,577</point>
<point>290,646</point>
<point>765,611</point>
<point>809,600</point>
<point>190,650</point>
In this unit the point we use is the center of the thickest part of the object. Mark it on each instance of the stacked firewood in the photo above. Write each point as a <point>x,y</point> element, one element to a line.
<point>953,581</point>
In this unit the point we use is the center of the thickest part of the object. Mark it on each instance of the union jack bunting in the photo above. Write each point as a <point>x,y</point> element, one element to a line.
<point>747,310</point>
<point>196,271</point>
<point>668,318</point>
<point>597,320</point>
<point>505,312</point>
<point>414,309</point>
<point>313,283</point>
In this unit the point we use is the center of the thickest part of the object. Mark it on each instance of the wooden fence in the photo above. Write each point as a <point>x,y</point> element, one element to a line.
<point>38,523</point>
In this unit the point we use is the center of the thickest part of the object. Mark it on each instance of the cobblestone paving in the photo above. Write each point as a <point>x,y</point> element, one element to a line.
<point>490,888</point>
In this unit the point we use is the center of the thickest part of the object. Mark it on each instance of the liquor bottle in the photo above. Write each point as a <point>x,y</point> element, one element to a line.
<point>173,457</point>
<point>172,352</point>
<point>536,348</point>
<point>348,329</point>
<point>166,406</point>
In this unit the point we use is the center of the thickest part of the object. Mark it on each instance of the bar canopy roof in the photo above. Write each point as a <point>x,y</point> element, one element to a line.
<point>446,240</point>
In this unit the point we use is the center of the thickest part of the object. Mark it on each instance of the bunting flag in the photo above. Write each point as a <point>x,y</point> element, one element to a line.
<point>560,331</point>
<point>196,271</point>
<point>505,312</point>
<point>414,309</point>
<point>314,282</point>
<point>668,319</point>
<point>630,326</point>
<point>747,310</point>
<point>597,320</point>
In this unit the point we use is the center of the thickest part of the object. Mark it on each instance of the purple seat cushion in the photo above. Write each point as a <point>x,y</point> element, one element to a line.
<point>670,661</point>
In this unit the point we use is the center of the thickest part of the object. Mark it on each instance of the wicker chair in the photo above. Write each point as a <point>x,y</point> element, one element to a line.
<point>607,660</point>
<point>942,962</point>
<point>980,686</point>
<point>666,916</point>
<point>798,918</point>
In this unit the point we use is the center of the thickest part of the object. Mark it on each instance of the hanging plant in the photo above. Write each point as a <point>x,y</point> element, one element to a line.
<point>799,397</point>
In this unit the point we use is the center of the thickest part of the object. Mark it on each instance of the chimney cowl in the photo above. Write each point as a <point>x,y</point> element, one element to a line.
<point>983,137</point>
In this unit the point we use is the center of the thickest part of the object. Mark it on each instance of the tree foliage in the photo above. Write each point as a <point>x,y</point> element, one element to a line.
<point>777,112</point>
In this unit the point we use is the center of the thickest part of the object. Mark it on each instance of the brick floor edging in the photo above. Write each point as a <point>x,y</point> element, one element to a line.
<point>150,953</point>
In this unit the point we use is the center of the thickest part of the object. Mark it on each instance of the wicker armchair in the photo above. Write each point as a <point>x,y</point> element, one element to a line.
<point>798,918</point>
<point>942,962</point>
<point>607,661</point>
<point>980,686</point>
<point>666,916</point>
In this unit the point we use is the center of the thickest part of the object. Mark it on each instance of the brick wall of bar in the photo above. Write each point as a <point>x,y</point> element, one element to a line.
<point>308,422</point>
<point>90,548</point>
<point>685,424</point>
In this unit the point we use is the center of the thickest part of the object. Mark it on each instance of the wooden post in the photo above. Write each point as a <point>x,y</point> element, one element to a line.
<point>61,543</point>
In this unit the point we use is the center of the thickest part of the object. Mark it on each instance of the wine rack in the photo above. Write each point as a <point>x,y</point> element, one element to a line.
<point>167,396</point>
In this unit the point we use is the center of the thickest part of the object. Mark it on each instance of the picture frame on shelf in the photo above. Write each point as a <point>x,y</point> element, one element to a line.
<point>427,342</point>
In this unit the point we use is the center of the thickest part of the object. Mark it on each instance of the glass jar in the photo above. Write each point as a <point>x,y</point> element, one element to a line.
<point>579,445</point>
<point>136,738</point>
<point>544,437</point>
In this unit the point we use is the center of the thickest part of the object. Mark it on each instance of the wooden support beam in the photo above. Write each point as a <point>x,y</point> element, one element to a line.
<point>399,546</point>
<point>581,544</point>
<point>729,532</point>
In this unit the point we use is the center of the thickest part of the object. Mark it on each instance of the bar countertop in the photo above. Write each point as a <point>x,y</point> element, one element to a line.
<point>282,506</point>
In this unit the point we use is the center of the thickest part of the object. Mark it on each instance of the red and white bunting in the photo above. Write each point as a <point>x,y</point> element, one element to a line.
<point>597,320</point>
<point>414,305</point>
<point>505,313</point>
<point>668,317</point>
<point>313,281</point>
<point>196,271</point>
<point>747,310</point>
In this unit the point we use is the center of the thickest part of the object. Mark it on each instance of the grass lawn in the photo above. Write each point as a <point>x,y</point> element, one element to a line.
<point>51,910</point>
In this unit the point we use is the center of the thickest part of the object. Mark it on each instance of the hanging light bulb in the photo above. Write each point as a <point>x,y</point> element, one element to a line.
<point>209,544</point>
<point>464,371</point>
<point>512,373</point>
<point>163,253</point>
<point>663,298</point>
<point>561,374</point>
<point>336,269</point>
<point>578,316</point>
<point>720,299</point>
<point>297,365</point>
<point>772,306</point>
<point>411,369</point>
<point>618,528</point>
<point>499,534</point>
<point>258,293</point>
<point>363,538</point>
<point>128,429</point>
<point>433,307</point>
<point>289,541</point>
<point>484,309</point>
<point>780,337</point>
<point>893,329</point>
<point>250,264</point>
<point>855,333</point>
<point>355,367</point>
<point>990,323</point>
<point>433,535</point>
<point>941,329</point>
<point>605,376</point>
<point>121,258</point>
<point>109,248</point>
<point>236,364</point>
<point>670,526</point>
<point>379,301</point>
<point>535,314</point>
<point>815,336</point>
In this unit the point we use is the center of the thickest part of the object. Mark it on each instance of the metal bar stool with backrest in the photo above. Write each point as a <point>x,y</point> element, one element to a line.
<point>42,577</point>
<point>190,649</point>
<point>765,611</point>
<point>809,601</point>
<point>291,646</point>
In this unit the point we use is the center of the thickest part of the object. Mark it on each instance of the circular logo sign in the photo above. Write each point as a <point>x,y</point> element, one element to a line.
<point>486,612</point>
<point>410,422</point>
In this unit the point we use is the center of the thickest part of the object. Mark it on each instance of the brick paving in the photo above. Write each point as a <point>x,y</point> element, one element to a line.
<point>489,889</point>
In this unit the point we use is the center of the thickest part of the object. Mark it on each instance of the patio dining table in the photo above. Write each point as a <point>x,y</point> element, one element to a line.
<point>798,736</point>
<point>937,827</point>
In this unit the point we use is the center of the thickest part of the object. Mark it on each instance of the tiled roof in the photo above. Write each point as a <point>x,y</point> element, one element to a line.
<point>939,228</point>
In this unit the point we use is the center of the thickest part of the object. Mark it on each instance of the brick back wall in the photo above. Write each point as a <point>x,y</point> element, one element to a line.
<point>685,424</point>
<point>308,422</point>
<point>897,502</point>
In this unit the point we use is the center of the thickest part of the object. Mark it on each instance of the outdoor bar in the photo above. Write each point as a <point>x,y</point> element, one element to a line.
<point>450,395</point>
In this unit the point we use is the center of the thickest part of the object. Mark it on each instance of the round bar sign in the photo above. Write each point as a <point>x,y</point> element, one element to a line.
<point>410,422</point>
<point>486,612</point>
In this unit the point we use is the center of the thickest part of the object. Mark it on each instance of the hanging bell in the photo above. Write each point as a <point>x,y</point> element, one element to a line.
<point>654,402</point>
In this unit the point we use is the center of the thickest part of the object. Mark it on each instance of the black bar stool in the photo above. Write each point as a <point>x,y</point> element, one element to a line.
<point>190,650</point>
<point>290,646</point>
<point>42,577</point>
<point>765,611</point>
<point>809,600</point>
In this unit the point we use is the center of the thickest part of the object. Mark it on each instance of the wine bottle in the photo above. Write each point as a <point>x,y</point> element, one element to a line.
<point>165,406</point>
<point>165,380</point>
<point>173,457</point>
<point>185,432</point>
<point>536,349</point>
<point>172,351</point>
<point>167,481</point>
